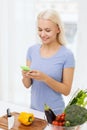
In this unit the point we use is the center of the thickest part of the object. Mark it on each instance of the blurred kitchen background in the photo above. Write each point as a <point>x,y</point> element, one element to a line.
<point>18,32</point>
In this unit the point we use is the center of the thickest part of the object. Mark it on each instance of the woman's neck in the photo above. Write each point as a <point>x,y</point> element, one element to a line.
<point>53,46</point>
<point>49,50</point>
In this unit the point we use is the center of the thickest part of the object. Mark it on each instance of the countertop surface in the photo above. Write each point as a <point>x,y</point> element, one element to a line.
<point>18,108</point>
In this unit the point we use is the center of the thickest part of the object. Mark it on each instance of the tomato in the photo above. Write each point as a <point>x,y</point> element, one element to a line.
<point>62,118</point>
<point>63,123</point>
<point>63,114</point>
<point>60,124</point>
<point>58,117</point>
<point>55,122</point>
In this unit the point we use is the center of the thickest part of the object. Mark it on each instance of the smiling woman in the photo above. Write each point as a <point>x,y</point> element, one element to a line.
<point>17,28</point>
<point>52,64</point>
<point>45,25</point>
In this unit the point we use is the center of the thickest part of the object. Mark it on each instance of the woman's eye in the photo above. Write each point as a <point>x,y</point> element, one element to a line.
<point>47,30</point>
<point>39,30</point>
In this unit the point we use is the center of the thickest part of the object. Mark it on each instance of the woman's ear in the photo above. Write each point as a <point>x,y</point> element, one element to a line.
<point>58,30</point>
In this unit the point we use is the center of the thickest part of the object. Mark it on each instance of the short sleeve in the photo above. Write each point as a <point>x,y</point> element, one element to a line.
<point>28,55</point>
<point>69,60</point>
<point>32,51</point>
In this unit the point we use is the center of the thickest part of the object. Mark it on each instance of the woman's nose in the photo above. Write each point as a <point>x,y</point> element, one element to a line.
<point>42,33</point>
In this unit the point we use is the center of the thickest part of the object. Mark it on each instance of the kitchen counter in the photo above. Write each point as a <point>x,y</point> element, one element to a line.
<point>15,109</point>
<point>18,108</point>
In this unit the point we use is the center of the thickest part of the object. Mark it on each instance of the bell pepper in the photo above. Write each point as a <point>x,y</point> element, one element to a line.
<point>26,118</point>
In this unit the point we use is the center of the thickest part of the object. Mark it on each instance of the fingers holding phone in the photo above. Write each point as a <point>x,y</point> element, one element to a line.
<point>25,71</point>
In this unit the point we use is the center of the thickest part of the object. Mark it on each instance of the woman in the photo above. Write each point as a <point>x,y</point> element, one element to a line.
<point>52,65</point>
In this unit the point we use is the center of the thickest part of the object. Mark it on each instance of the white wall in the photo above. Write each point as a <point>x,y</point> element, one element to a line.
<point>80,76</point>
<point>3,48</point>
<point>80,79</point>
<point>17,33</point>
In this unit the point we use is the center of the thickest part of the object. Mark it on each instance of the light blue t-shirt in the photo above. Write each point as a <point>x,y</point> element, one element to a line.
<point>41,93</point>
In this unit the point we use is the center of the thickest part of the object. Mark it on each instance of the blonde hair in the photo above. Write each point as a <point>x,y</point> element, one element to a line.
<point>53,16</point>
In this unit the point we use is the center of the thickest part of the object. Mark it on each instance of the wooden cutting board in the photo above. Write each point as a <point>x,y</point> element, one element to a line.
<point>38,124</point>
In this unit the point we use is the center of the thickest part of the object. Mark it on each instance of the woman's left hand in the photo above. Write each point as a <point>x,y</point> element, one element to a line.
<point>38,75</point>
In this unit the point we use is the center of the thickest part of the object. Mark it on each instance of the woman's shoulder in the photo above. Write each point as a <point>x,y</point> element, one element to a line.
<point>34,46</point>
<point>33,49</point>
<point>69,55</point>
<point>66,50</point>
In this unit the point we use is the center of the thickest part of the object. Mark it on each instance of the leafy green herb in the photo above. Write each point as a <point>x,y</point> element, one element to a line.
<point>80,98</point>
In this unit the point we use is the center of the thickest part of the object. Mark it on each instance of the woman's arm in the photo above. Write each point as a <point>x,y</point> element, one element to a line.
<point>63,87</point>
<point>26,80</point>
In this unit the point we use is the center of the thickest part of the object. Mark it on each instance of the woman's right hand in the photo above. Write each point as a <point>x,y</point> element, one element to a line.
<point>26,80</point>
<point>25,74</point>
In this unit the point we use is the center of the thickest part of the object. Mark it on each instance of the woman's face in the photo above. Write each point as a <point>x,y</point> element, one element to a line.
<point>47,31</point>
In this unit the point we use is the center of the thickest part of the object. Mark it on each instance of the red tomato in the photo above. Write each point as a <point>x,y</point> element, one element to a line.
<point>60,123</point>
<point>58,117</point>
<point>63,123</point>
<point>62,118</point>
<point>55,122</point>
<point>63,114</point>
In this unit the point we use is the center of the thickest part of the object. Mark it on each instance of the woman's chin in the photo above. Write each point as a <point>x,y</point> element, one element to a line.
<point>45,42</point>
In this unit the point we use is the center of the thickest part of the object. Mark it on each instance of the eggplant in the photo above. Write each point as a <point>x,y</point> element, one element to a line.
<point>50,115</point>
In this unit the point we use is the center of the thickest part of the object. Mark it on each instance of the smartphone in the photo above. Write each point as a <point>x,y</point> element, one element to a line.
<point>25,68</point>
